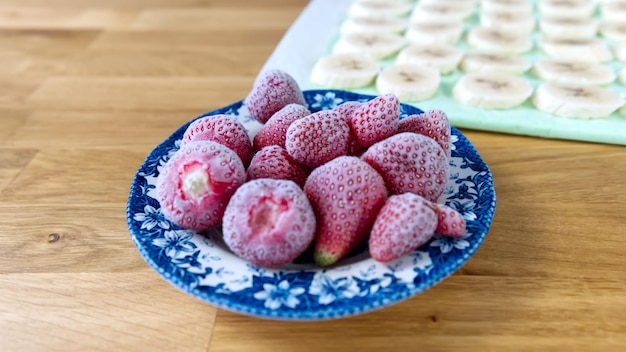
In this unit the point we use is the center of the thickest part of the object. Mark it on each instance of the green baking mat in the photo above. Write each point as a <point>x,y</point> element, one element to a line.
<point>524,119</point>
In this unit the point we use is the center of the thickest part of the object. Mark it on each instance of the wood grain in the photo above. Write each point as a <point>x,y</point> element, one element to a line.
<point>89,88</point>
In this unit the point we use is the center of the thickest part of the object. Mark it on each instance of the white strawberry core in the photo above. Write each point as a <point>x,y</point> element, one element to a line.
<point>196,183</point>
<point>267,215</point>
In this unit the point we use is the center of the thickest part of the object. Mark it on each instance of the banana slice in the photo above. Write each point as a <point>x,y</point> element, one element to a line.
<point>428,13</point>
<point>614,30</point>
<point>373,25</point>
<point>378,9</point>
<point>507,21</point>
<point>409,82</point>
<point>494,41</point>
<point>522,7</point>
<point>433,33</point>
<point>568,9</point>
<point>492,90</point>
<point>450,2</point>
<point>585,102</point>
<point>566,28</point>
<point>443,57</point>
<point>573,72</point>
<point>342,71</point>
<point>620,51</point>
<point>591,49</point>
<point>482,62</point>
<point>614,11</point>
<point>377,45</point>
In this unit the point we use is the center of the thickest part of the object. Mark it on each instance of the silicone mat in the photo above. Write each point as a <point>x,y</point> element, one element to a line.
<point>314,33</point>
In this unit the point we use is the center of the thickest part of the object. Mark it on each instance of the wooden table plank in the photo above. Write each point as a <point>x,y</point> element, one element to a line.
<point>86,312</point>
<point>481,313</point>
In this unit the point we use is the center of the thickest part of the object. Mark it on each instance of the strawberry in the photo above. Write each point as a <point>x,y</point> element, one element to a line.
<point>318,138</point>
<point>410,162</point>
<point>450,222</point>
<point>404,223</point>
<point>346,194</point>
<point>375,120</point>
<point>196,184</point>
<point>274,162</point>
<point>223,129</point>
<point>348,108</point>
<point>272,91</point>
<point>274,131</point>
<point>432,123</point>
<point>269,222</point>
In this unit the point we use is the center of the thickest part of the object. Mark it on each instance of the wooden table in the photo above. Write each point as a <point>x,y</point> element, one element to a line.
<point>88,88</point>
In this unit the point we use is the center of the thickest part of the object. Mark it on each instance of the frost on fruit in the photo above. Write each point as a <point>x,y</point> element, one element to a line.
<point>346,194</point>
<point>272,91</point>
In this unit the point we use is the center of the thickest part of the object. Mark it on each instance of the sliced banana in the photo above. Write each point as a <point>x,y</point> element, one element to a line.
<point>433,33</point>
<point>342,71</point>
<point>573,72</point>
<point>566,28</point>
<point>494,41</point>
<point>492,90</point>
<point>507,21</point>
<point>482,62</point>
<point>591,49</point>
<point>614,11</point>
<point>373,25</point>
<point>614,30</point>
<point>443,57</point>
<point>378,9</point>
<point>409,82</point>
<point>377,45</point>
<point>585,102</point>
<point>438,13</point>
<point>620,51</point>
<point>568,9</point>
<point>522,7</point>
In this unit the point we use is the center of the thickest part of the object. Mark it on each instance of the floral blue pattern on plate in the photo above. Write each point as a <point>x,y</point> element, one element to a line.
<point>202,266</point>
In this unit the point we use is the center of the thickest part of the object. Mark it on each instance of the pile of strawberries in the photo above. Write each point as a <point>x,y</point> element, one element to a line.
<point>330,179</point>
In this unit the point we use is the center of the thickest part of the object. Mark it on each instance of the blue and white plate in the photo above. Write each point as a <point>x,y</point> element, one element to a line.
<point>202,266</point>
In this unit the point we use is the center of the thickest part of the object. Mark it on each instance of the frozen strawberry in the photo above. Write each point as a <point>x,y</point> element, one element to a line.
<point>449,221</point>
<point>348,108</point>
<point>196,184</point>
<point>274,131</point>
<point>223,129</point>
<point>410,162</point>
<point>375,120</point>
<point>272,91</point>
<point>269,222</point>
<point>346,194</point>
<point>405,222</point>
<point>432,123</point>
<point>318,138</point>
<point>274,162</point>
